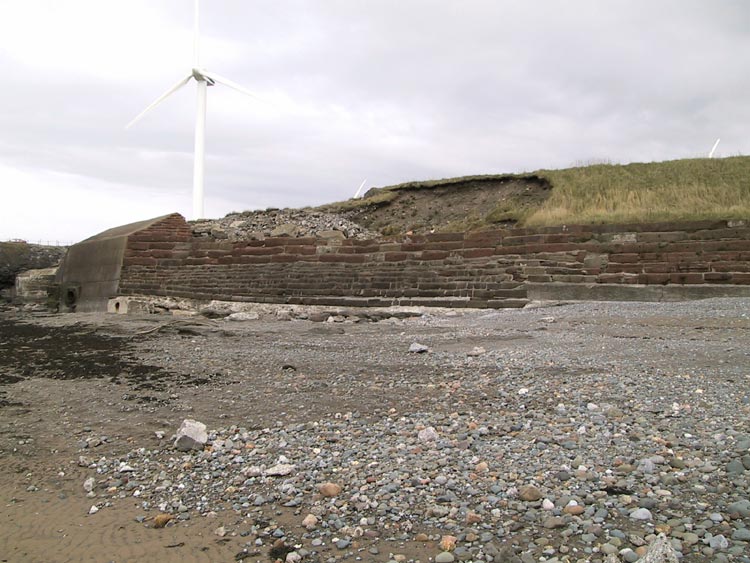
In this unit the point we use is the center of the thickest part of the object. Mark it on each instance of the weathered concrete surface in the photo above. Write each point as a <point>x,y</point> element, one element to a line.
<point>89,275</point>
<point>33,285</point>
<point>16,257</point>
<point>618,292</point>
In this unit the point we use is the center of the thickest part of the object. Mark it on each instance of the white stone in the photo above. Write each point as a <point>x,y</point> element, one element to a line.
<point>280,470</point>
<point>428,434</point>
<point>88,484</point>
<point>244,316</point>
<point>417,348</point>
<point>661,551</point>
<point>191,435</point>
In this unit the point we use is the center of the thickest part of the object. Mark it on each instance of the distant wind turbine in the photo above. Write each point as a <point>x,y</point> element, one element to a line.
<point>203,79</point>
<point>362,185</point>
<point>716,144</point>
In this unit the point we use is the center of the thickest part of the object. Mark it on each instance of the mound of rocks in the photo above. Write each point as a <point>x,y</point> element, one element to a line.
<point>257,225</point>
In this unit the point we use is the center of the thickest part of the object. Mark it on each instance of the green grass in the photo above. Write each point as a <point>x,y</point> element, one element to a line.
<point>678,190</point>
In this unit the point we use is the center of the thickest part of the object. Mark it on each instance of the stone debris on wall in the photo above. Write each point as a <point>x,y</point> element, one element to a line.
<point>257,225</point>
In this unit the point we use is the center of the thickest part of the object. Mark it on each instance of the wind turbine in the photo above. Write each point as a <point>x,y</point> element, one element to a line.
<point>203,80</point>
<point>713,149</point>
<point>362,185</point>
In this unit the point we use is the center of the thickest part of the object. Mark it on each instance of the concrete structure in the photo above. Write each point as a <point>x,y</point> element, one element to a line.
<point>89,275</point>
<point>33,286</point>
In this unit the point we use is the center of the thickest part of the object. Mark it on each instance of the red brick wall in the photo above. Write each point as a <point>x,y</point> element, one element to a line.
<point>472,269</point>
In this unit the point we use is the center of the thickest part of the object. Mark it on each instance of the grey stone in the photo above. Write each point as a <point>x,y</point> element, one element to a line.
<point>343,543</point>
<point>718,542</point>
<point>741,507</point>
<point>735,467</point>
<point>641,514</point>
<point>554,522</point>
<point>285,230</point>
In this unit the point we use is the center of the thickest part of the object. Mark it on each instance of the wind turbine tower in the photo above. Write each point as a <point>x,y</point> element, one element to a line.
<point>203,80</point>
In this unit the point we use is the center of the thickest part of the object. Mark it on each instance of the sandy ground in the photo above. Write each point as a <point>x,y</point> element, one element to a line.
<point>119,379</point>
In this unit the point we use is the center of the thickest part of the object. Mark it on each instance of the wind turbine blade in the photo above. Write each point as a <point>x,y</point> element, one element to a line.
<point>159,100</point>
<point>226,82</point>
<point>362,185</point>
<point>196,41</point>
<point>713,149</point>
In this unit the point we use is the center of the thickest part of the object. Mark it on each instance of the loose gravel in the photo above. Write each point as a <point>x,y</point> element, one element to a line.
<point>571,433</point>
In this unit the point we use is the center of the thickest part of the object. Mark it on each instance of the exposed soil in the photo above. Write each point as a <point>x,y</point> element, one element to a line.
<point>451,206</point>
<point>454,206</point>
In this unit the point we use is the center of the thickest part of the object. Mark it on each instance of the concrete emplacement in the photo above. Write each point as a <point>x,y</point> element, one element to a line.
<point>89,275</point>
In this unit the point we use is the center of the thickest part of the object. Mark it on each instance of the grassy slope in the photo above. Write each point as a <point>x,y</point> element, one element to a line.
<point>678,190</point>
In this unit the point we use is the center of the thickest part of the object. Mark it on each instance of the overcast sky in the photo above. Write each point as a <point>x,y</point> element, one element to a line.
<point>387,90</point>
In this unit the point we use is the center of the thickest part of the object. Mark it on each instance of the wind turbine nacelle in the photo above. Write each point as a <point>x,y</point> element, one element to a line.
<point>201,77</point>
